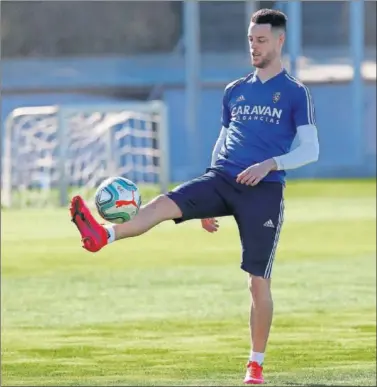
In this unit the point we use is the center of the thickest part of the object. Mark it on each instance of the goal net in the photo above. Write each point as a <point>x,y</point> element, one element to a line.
<point>53,152</point>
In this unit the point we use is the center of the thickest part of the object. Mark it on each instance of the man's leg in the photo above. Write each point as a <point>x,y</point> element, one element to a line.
<point>198,198</point>
<point>259,215</point>
<point>261,311</point>
<point>156,211</point>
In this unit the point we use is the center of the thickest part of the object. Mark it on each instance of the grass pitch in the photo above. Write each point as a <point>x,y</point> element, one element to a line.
<point>171,307</point>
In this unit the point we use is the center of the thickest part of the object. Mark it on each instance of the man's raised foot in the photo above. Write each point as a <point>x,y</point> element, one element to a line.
<point>93,235</point>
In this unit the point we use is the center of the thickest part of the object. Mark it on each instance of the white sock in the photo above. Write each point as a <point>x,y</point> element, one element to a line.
<point>110,233</point>
<point>256,356</point>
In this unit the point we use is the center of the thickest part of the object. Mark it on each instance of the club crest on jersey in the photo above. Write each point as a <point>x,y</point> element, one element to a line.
<point>276,97</point>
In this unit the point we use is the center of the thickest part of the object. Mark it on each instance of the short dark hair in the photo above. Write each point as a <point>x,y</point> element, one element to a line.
<point>276,18</point>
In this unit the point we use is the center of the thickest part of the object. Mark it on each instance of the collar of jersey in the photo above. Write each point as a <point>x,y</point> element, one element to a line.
<point>255,77</point>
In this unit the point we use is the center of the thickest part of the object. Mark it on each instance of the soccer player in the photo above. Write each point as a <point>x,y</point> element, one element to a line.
<point>262,114</point>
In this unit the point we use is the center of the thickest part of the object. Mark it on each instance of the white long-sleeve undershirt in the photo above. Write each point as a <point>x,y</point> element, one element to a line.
<point>218,145</point>
<point>307,150</point>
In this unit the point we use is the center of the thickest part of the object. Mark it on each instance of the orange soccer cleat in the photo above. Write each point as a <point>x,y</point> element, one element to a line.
<point>254,373</point>
<point>93,235</point>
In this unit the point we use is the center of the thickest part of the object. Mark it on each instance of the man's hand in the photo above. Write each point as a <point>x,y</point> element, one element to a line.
<point>211,224</point>
<point>255,173</point>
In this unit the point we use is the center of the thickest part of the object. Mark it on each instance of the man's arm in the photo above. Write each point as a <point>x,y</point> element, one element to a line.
<point>306,152</point>
<point>225,121</point>
<point>211,225</point>
<point>307,134</point>
<point>218,145</point>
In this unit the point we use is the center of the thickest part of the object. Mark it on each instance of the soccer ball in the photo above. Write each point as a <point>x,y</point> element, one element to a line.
<point>117,200</point>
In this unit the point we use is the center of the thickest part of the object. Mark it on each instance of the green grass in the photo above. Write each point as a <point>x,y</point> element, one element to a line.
<point>171,307</point>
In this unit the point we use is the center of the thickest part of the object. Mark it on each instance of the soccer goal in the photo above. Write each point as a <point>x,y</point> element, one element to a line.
<point>53,152</point>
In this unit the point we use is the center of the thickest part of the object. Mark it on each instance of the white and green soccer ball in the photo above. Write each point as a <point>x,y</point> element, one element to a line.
<point>117,200</point>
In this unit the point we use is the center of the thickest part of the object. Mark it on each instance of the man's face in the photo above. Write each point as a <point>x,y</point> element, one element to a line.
<point>265,44</point>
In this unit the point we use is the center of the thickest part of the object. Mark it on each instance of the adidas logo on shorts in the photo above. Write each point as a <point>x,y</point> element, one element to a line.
<point>269,223</point>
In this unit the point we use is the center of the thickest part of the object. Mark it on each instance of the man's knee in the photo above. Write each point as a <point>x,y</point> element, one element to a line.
<point>260,289</point>
<point>165,207</point>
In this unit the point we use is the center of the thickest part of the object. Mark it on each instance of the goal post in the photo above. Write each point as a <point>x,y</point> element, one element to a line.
<point>52,152</point>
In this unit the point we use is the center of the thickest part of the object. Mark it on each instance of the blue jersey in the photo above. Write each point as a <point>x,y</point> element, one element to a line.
<point>262,118</point>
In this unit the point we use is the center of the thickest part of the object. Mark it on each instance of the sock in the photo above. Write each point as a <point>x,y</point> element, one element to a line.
<point>110,233</point>
<point>256,356</point>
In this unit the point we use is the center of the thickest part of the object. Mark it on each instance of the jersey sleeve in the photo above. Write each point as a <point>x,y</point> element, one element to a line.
<point>303,109</point>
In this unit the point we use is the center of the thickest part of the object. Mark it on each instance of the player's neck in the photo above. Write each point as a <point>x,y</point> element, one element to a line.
<point>270,71</point>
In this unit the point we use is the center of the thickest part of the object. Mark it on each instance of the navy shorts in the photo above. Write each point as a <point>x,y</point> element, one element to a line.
<point>258,211</point>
